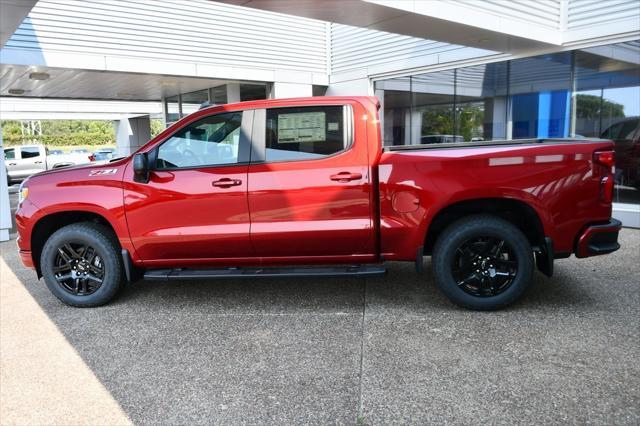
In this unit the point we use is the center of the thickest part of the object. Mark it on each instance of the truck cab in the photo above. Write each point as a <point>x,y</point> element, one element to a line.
<point>23,161</point>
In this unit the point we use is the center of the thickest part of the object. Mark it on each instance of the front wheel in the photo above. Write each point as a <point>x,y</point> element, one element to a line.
<point>482,262</point>
<point>81,266</point>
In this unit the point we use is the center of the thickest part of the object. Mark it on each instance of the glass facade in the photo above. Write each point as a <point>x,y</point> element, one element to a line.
<point>179,106</point>
<point>583,93</point>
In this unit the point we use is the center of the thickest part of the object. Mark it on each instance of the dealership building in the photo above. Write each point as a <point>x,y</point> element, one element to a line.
<point>444,71</point>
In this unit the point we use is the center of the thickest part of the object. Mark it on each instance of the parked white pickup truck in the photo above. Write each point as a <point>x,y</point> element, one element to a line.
<point>23,161</point>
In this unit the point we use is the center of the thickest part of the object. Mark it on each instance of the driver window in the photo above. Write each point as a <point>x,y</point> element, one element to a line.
<point>211,141</point>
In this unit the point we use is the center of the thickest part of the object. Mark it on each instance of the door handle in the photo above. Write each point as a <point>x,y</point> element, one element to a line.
<point>226,183</point>
<point>13,164</point>
<point>346,176</point>
<point>38,162</point>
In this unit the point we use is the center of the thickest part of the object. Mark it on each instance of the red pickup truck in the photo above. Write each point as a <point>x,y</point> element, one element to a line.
<point>296,187</point>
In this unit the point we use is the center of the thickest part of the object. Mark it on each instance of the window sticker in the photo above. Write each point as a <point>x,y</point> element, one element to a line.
<point>302,127</point>
<point>333,126</point>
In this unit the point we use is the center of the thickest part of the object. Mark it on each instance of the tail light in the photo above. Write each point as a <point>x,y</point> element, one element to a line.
<point>92,158</point>
<point>603,163</point>
<point>605,158</point>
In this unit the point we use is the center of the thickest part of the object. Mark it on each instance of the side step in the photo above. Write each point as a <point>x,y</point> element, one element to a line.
<point>254,272</point>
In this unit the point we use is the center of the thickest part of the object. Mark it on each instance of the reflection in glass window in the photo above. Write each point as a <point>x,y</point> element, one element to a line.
<point>481,102</point>
<point>608,106</point>
<point>395,98</point>
<point>526,98</point>
<point>304,133</point>
<point>540,89</point>
<point>172,106</point>
<point>252,92</point>
<point>218,95</point>
<point>432,108</point>
<point>191,102</point>
<point>210,141</point>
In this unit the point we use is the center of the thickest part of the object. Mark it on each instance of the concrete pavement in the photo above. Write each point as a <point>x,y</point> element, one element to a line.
<point>375,351</point>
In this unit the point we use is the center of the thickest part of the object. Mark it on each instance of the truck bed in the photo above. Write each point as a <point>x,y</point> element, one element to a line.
<point>555,177</point>
<point>497,142</point>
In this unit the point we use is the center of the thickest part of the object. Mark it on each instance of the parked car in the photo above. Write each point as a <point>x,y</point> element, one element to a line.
<point>304,187</point>
<point>626,137</point>
<point>25,160</point>
<point>441,139</point>
<point>56,152</point>
<point>79,151</point>
<point>104,154</point>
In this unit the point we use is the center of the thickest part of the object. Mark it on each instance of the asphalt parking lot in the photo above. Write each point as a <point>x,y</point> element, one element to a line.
<point>369,351</point>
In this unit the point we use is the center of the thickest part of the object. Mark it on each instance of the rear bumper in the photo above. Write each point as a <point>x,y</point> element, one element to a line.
<point>599,239</point>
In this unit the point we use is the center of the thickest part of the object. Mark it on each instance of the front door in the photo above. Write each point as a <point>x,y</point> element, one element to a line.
<point>194,207</point>
<point>309,187</point>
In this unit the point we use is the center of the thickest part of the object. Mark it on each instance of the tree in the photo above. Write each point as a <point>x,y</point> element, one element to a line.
<point>590,107</point>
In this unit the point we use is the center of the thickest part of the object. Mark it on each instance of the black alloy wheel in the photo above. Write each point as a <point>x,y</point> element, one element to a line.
<point>482,262</point>
<point>78,268</point>
<point>484,266</point>
<point>82,264</point>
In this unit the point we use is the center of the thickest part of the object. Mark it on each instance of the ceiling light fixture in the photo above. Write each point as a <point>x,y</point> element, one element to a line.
<point>39,76</point>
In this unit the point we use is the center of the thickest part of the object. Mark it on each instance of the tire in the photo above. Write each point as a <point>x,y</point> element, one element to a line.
<point>101,262</point>
<point>503,271</point>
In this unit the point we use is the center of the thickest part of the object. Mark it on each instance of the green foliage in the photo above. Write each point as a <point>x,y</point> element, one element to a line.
<point>61,133</point>
<point>470,120</point>
<point>590,106</point>
<point>439,120</point>
<point>157,126</point>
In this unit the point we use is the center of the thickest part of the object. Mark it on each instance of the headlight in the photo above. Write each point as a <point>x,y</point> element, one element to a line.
<point>23,193</point>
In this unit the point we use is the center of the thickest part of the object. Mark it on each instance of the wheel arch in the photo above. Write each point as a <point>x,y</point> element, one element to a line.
<point>517,212</point>
<point>47,225</point>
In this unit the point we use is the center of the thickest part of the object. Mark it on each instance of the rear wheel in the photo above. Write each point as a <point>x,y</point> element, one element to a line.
<point>482,262</point>
<point>81,266</point>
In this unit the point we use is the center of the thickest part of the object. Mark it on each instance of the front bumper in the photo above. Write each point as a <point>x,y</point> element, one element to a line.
<point>27,260</point>
<point>599,239</point>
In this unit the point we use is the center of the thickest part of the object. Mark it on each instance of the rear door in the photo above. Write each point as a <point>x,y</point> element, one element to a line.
<point>309,185</point>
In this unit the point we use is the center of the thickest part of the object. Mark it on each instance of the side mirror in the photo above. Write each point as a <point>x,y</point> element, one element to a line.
<point>141,168</point>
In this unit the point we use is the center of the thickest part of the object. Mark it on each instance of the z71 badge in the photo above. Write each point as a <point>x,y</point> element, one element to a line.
<point>103,172</point>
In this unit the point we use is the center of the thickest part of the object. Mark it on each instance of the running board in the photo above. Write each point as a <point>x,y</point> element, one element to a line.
<point>253,272</point>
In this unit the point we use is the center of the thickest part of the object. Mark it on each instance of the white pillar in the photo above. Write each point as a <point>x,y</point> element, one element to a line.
<point>233,93</point>
<point>407,126</point>
<point>290,90</point>
<point>416,127</point>
<point>131,134</point>
<point>358,87</point>
<point>5,208</point>
<point>499,115</point>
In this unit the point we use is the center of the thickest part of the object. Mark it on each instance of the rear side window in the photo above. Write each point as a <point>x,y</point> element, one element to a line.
<point>29,152</point>
<point>10,154</point>
<point>305,133</point>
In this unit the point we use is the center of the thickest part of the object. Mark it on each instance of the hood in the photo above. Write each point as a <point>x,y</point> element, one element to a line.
<point>112,170</point>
